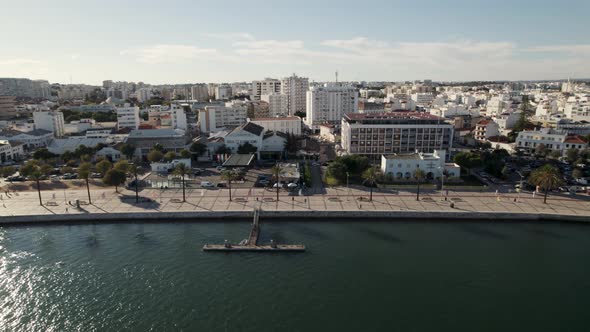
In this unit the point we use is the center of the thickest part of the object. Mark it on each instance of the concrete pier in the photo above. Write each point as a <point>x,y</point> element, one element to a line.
<point>252,243</point>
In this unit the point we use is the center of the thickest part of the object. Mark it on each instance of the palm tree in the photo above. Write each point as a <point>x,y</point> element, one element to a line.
<point>37,175</point>
<point>181,169</point>
<point>276,171</point>
<point>547,177</point>
<point>229,176</point>
<point>419,175</point>
<point>84,173</point>
<point>370,177</point>
<point>133,168</point>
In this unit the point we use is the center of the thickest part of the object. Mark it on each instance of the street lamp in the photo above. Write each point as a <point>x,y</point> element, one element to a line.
<point>347,189</point>
<point>442,182</point>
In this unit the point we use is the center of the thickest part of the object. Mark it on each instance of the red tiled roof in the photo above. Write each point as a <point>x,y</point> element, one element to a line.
<point>392,115</point>
<point>484,122</point>
<point>276,119</point>
<point>575,139</point>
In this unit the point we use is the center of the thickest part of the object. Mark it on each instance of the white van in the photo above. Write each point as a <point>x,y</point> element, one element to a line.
<point>207,184</point>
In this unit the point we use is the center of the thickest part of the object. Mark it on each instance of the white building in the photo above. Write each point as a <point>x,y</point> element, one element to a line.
<point>295,88</point>
<point>268,86</point>
<point>287,125</point>
<point>495,106</point>
<point>61,145</point>
<point>277,104</point>
<point>266,142</point>
<point>423,98</point>
<point>52,121</point>
<point>128,117</point>
<point>223,91</point>
<point>403,166</point>
<point>327,104</point>
<point>11,151</point>
<point>110,153</point>
<point>507,120</point>
<point>165,167</point>
<point>215,118</point>
<point>485,129</point>
<point>578,110</point>
<point>167,117</point>
<point>546,108</point>
<point>143,94</point>
<point>554,140</point>
<point>32,140</point>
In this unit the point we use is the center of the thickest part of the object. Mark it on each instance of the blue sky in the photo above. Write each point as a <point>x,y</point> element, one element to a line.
<point>225,41</point>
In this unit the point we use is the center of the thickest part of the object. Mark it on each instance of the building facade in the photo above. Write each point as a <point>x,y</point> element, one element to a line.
<point>403,166</point>
<point>551,139</point>
<point>7,107</point>
<point>327,104</point>
<point>128,117</point>
<point>268,86</point>
<point>286,125</point>
<point>215,118</point>
<point>395,132</point>
<point>51,121</point>
<point>295,89</point>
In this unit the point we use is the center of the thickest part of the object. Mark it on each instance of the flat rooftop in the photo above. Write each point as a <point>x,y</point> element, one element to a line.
<point>239,160</point>
<point>392,116</point>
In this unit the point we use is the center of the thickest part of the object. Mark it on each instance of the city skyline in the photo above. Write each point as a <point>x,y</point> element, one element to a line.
<point>186,42</point>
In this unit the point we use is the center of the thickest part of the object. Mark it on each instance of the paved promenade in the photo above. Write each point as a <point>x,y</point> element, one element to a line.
<point>106,201</point>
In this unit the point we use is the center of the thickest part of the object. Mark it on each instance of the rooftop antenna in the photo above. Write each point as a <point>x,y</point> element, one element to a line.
<point>336,76</point>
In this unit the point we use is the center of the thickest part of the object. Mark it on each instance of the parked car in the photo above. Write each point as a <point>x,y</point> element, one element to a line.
<point>96,175</point>
<point>15,178</point>
<point>207,184</point>
<point>221,185</point>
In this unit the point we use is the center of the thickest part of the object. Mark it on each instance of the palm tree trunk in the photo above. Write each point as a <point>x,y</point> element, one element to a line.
<point>117,189</point>
<point>88,190</point>
<point>183,195</point>
<point>371,194</point>
<point>278,186</point>
<point>229,185</point>
<point>136,190</point>
<point>418,192</point>
<point>39,191</point>
<point>546,193</point>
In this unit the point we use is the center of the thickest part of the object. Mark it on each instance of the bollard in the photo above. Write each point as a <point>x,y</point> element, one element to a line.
<point>452,205</point>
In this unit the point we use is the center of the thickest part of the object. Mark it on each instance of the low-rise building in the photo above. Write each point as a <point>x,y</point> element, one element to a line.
<point>215,118</point>
<point>52,121</point>
<point>485,129</point>
<point>267,143</point>
<point>165,167</point>
<point>553,140</point>
<point>60,145</point>
<point>32,140</point>
<point>11,151</point>
<point>145,139</point>
<point>403,166</point>
<point>287,125</point>
<point>109,153</point>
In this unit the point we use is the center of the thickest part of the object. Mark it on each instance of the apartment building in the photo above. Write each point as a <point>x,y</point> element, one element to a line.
<point>403,166</point>
<point>200,92</point>
<point>329,103</point>
<point>395,132</point>
<point>268,86</point>
<point>52,121</point>
<point>485,129</point>
<point>11,151</point>
<point>7,107</point>
<point>128,117</point>
<point>277,104</point>
<point>215,118</point>
<point>295,89</point>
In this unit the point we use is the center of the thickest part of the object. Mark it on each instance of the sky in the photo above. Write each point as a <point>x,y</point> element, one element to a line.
<point>178,41</point>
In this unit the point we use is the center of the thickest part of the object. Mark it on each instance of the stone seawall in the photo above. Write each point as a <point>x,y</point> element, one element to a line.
<point>198,216</point>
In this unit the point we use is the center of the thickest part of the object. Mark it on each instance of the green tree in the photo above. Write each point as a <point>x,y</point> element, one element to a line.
<point>128,151</point>
<point>103,167</point>
<point>577,173</point>
<point>276,171</point>
<point>182,170</point>
<point>541,150</point>
<point>114,177</point>
<point>370,177</point>
<point>291,145</point>
<point>300,114</point>
<point>419,175</point>
<point>169,156</point>
<point>467,160</point>
<point>572,154</point>
<point>122,165</point>
<point>185,154</point>
<point>337,171</point>
<point>43,154</point>
<point>198,148</point>
<point>505,172</point>
<point>37,175</point>
<point>7,171</point>
<point>159,147</point>
<point>84,173</point>
<point>222,150</point>
<point>247,148</point>
<point>155,156</point>
<point>554,154</point>
<point>229,176</point>
<point>546,177</point>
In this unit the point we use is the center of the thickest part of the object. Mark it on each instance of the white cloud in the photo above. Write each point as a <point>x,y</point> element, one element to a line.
<point>168,53</point>
<point>576,49</point>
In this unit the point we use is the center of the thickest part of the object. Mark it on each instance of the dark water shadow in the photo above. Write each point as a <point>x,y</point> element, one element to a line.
<point>308,231</point>
<point>145,239</point>
<point>483,232</point>
<point>92,241</point>
<point>548,234</point>
<point>144,202</point>
<point>377,235</point>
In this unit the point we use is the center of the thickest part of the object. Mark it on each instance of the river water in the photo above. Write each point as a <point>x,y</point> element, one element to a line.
<point>355,276</point>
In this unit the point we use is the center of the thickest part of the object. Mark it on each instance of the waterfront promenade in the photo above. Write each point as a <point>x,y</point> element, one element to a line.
<point>340,199</point>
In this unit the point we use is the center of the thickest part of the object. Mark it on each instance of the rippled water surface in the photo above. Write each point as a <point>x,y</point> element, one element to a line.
<point>355,276</point>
